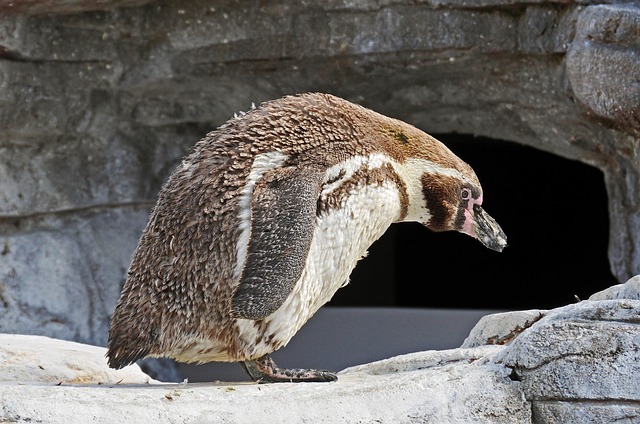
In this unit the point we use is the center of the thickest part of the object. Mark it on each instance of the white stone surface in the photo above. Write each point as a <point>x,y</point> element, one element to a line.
<point>427,387</point>
<point>589,350</point>
<point>628,290</point>
<point>501,328</point>
<point>42,360</point>
<point>578,363</point>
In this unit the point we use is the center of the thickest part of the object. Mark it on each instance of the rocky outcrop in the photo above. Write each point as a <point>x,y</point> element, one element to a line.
<point>628,290</point>
<point>603,64</point>
<point>572,364</point>
<point>100,101</point>
<point>578,363</point>
<point>412,388</point>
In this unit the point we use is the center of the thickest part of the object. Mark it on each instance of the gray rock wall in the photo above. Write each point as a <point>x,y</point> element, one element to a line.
<point>97,106</point>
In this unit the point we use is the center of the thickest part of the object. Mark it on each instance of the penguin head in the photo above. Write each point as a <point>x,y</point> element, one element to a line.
<point>444,191</point>
<point>454,202</point>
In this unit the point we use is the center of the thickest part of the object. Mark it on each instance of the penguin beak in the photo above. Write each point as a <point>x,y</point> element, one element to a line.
<point>485,229</point>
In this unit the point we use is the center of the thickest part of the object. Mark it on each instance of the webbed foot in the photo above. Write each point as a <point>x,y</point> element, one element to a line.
<point>264,370</point>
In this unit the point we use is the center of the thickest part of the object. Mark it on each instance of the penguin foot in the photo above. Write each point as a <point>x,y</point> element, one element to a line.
<point>264,370</point>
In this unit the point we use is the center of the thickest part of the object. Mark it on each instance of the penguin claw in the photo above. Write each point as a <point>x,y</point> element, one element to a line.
<point>264,370</point>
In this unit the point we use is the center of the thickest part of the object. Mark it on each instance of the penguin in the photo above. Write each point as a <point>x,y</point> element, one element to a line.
<point>264,220</point>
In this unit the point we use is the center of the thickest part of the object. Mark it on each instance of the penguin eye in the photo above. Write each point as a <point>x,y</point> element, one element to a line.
<point>465,194</point>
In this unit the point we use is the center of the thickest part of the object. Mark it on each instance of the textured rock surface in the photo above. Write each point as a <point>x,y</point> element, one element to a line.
<point>97,107</point>
<point>36,7</point>
<point>60,274</point>
<point>41,360</point>
<point>576,364</point>
<point>628,290</point>
<point>428,387</point>
<point>603,64</point>
<point>501,328</point>
<point>580,363</point>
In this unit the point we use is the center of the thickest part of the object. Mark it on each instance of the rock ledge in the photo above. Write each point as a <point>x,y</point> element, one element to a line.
<point>577,363</point>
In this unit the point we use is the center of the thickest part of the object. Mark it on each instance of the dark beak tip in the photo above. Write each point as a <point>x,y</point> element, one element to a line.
<point>488,232</point>
<point>498,247</point>
<point>496,242</point>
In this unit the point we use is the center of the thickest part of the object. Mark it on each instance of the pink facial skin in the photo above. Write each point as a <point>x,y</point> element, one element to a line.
<point>468,227</point>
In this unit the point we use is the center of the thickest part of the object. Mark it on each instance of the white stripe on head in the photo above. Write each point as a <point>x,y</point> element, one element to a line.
<point>410,171</point>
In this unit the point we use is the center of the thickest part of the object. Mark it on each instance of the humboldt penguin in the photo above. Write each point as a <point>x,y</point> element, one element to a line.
<point>264,221</point>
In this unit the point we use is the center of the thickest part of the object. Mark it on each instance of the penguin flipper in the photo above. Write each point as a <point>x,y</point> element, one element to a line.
<point>283,215</point>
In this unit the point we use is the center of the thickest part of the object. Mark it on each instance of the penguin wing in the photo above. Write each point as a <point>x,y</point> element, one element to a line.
<point>283,216</point>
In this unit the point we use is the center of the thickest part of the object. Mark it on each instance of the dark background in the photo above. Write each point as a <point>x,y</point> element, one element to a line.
<point>554,212</point>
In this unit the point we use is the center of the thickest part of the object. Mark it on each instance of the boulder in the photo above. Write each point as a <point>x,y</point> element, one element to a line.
<point>628,290</point>
<point>577,363</point>
<point>580,363</point>
<point>603,63</point>
<point>501,328</point>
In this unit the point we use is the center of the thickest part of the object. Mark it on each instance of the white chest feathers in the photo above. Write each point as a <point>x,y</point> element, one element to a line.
<point>361,209</point>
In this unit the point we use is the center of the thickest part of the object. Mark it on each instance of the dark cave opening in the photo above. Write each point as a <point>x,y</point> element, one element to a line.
<point>554,212</point>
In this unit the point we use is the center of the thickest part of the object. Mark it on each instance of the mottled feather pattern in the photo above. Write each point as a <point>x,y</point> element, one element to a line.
<point>177,300</point>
